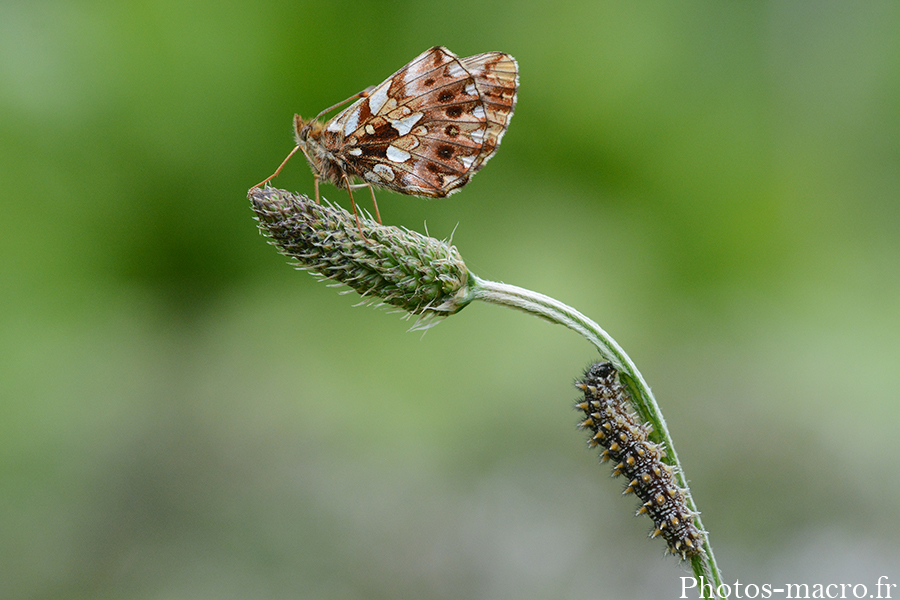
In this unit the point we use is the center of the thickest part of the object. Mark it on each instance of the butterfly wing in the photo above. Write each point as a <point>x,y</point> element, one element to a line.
<point>496,77</point>
<point>431,125</point>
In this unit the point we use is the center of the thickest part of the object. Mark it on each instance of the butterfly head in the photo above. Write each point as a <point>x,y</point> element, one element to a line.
<point>319,147</point>
<point>305,133</point>
<point>303,130</point>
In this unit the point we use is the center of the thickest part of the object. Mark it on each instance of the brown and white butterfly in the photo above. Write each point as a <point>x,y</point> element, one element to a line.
<point>424,131</point>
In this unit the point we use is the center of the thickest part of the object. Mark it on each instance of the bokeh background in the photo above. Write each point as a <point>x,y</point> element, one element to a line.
<point>182,415</point>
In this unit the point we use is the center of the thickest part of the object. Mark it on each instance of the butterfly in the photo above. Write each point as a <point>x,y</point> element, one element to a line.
<point>424,131</point>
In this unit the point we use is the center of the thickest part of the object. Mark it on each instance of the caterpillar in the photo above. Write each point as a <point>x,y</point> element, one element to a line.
<point>615,427</point>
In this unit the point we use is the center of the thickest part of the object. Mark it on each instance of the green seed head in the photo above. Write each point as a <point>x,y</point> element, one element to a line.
<point>416,273</point>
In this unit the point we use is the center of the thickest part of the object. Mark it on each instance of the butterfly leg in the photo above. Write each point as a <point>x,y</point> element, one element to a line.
<point>374,203</point>
<point>353,204</point>
<point>278,170</point>
<point>357,186</point>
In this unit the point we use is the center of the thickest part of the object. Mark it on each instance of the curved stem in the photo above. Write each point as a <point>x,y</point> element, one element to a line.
<point>554,311</point>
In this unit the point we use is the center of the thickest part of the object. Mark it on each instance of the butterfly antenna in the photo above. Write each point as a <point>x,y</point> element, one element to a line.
<point>361,94</point>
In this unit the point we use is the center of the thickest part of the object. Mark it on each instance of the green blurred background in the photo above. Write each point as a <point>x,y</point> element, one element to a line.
<point>182,415</point>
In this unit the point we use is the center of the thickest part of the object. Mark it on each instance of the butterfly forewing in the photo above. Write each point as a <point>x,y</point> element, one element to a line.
<point>430,126</point>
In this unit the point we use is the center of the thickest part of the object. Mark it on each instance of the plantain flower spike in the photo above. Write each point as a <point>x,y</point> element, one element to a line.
<point>423,276</point>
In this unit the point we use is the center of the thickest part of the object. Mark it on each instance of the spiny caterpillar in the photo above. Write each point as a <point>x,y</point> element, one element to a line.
<point>626,441</point>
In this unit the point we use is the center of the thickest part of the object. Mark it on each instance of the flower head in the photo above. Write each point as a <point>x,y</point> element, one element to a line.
<point>422,275</point>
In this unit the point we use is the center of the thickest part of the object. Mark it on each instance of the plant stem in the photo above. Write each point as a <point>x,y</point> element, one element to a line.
<point>554,311</point>
<point>428,278</point>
